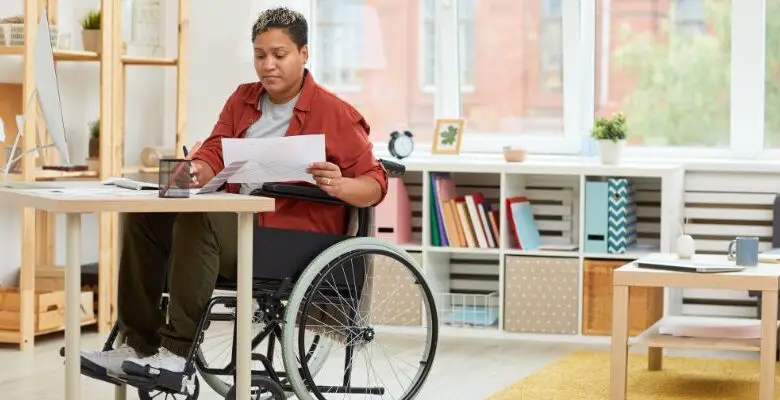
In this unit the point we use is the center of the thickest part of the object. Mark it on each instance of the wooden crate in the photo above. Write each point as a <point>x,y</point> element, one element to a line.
<point>645,304</point>
<point>541,294</point>
<point>49,309</point>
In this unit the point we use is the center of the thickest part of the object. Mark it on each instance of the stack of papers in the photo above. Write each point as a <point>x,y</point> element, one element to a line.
<point>255,161</point>
<point>282,159</point>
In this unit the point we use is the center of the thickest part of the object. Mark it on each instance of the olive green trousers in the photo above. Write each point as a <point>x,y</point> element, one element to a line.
<point>182,254</point>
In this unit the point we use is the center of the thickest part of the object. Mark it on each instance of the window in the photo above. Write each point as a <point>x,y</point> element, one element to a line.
<point>517,71</point>
<point>466,44</point>
<point>668,69</point>
<point>772,85</point>
<point>551,47</point>
<point>339,43</point>
<point>365,52</point>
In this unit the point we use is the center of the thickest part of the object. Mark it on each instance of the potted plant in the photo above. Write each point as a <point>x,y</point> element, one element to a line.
<point>94,139</point>
<point>90,33</point>
<point>610,135</point>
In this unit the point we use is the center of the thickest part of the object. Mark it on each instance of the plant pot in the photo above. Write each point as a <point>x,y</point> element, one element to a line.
<point>92,39</point>
<point>610,152</point>
<point>94,147</point>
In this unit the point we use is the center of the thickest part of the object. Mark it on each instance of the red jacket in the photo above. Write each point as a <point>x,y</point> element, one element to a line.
<point>316,112</point>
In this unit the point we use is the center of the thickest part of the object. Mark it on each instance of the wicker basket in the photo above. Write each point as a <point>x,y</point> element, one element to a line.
<point>645,304</point>
<point>12,34</point>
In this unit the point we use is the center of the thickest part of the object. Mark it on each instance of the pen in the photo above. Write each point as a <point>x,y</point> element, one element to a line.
<point>185,151</point>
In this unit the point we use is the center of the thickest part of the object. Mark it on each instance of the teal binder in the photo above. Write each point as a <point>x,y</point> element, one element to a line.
<point>596,219</point>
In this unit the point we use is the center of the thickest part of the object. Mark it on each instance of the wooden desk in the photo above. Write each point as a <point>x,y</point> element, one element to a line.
<point>764,278</point>
<point>76,198</point>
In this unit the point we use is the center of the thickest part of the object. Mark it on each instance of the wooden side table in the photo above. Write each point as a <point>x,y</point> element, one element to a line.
<point>764,278</point>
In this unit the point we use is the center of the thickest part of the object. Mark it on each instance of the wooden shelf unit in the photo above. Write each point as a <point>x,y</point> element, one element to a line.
<point>179,63</point>
<point>556,191</point>
<point>59,54</point>
<point>38,228</point>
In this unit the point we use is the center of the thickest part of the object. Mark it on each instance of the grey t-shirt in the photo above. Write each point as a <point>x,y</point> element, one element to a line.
<point>274,121</point>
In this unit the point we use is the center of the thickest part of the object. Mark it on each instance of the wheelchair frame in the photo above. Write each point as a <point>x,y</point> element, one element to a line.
<point>269,298</point>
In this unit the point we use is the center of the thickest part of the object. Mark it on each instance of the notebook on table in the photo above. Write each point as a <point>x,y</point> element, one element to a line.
<point>689,266</point>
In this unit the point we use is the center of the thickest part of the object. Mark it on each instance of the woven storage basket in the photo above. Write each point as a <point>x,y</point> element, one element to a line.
<point>12,34</point>
<point>645,304</point>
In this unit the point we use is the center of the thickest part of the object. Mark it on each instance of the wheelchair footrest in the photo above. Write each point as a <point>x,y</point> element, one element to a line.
<point>149,378</point>
<point>86,371</point>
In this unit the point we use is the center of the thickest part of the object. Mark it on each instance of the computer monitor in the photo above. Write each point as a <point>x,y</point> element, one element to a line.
<point>48,90</point>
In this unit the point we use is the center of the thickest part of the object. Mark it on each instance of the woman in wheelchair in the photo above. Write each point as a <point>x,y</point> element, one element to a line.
<point>179,260</point>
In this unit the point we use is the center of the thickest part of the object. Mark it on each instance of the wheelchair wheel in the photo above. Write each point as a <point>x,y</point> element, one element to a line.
<point>215,352</point>
<point>353,293</point>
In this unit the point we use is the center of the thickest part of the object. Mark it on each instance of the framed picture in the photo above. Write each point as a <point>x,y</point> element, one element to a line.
<point>447,136</point>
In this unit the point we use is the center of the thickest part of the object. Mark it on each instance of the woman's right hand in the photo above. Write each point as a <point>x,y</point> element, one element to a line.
<point>201,173</point>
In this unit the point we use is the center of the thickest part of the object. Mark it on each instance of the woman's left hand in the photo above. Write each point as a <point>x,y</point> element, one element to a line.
<point>328,177</point>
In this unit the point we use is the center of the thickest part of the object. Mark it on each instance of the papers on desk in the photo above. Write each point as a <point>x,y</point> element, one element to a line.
<point>280,159</point>
<point>222,177</point>
<point>132,184</point>
<point>254,160</point>
<point>770,256</point>
<point>96,192</point>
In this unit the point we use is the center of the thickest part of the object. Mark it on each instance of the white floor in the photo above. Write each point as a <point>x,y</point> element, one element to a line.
<point>467,369</point>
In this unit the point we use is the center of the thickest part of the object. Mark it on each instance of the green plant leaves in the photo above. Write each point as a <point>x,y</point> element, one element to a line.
<point>613,128</point>
<point>91,20</point>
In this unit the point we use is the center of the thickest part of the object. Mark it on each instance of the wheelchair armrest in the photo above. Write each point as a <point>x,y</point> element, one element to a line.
<point>315,194</point>
<point>298,192</point>
<point>393,169</point>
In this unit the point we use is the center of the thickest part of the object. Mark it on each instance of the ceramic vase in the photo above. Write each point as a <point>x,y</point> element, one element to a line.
<point>686,246</point>
<point>610,151</point>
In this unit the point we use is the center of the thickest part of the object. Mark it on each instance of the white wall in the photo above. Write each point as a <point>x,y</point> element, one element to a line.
<point>220,59</point>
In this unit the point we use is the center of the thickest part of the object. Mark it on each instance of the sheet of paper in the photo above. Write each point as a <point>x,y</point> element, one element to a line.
<point>274,159</point>
<point>97,192</point>
<point>222,177</point>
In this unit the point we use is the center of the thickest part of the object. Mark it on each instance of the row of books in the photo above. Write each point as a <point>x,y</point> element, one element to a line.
<point>470,221</point>
<point>522,224</point>
<point>461,221</point>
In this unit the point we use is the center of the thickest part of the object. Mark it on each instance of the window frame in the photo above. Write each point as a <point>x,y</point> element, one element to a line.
<point>315,65</point>
<point>422,58</point>
<point>746,92</point>
<point>575,54</point>
<point>747,85</point>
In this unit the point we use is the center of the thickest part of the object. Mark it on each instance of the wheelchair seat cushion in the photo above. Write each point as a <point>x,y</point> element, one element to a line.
<point>285,253</point>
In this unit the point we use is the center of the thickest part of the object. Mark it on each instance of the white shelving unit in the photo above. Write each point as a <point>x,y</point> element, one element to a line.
<point>556,191</point>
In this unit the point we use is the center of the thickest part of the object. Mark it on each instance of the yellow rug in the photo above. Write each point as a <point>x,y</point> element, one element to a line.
<point>584,375</point>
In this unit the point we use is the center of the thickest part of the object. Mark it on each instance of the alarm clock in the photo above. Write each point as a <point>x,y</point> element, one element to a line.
<point>401,144</point>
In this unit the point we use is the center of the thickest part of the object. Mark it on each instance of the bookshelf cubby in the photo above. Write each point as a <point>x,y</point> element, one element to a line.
<point>496,278</point>
<point>467,288</point>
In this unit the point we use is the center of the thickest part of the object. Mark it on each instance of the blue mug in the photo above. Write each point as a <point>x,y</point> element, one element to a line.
<point>744,250</point>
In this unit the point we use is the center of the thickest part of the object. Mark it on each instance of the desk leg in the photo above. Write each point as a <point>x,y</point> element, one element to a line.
<point>619,342</point>
<point>655,355</point>
<point>766,386</point>
<point>120,391</point>
<point>246,222</point>
<point>73,308</point>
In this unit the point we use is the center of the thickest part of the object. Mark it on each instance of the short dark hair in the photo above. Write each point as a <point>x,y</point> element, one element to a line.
<point>282,17</point>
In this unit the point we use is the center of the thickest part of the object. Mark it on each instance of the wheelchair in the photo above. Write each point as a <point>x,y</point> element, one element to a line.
<point>313,296</point>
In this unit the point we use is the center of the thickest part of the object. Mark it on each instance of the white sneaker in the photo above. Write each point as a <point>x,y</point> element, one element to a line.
<point>164,359</point>
<point>107,362</point>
